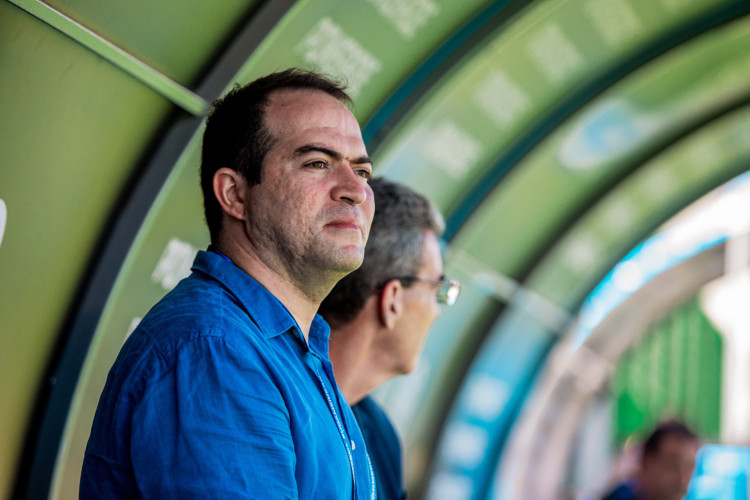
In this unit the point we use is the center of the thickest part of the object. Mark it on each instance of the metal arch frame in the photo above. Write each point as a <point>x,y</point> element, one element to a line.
<point>540,414</point>
<point>679,136</point>
<point>494,454</point>
<point>484,185</point>
<point>475,31</point>
<point>423,79</point>
<point>54,397</point>
<point>63,374</point>
<point>538,365</point>
<point>149,76</point>
<point>650,53</point>
<point>670,139</point>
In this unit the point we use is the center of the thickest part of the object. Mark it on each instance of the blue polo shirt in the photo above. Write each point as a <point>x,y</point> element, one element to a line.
<point>384,448</point>
<point>216,394</point>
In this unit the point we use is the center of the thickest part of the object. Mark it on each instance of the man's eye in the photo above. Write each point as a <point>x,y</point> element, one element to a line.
<point>317,164</point>
<point>363,172</point>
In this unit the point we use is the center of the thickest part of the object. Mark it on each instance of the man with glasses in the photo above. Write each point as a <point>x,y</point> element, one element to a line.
<point>380,315</point>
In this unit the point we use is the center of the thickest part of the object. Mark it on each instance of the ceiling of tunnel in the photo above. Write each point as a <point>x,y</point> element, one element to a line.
<point>555,135</point>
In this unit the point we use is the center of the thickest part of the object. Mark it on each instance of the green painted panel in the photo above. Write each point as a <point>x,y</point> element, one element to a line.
<point>176,38</point>
<point>662,186</point>
<point>552,49</point>
<point>675,371</point>
<point>678,358</point>
<point>706,400</point>
<point>604,142</point>
<point>73,127</point>
<point>160,256</point>
<point>372,44</point>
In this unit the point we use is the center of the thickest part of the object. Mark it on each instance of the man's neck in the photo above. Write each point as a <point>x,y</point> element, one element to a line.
<point>357,371</point>
<point>302,306</point>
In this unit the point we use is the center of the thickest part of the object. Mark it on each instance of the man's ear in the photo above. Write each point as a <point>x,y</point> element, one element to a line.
<point>391,303</point>
<point>229,189</point>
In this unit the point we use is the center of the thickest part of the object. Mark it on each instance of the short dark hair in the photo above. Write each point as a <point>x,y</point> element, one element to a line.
<point>236,135</point>
<point>663,430</point>
<point>394,248</point>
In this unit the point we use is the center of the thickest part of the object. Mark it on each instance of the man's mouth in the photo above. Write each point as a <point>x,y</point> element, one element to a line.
<point>345,223</point>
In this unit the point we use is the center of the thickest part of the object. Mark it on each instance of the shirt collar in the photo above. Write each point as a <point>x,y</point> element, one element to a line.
<point>319,334</point>
<point>271,316</point>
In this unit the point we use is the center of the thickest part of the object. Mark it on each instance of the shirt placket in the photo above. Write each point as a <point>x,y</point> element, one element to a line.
<point>316,361</point>
<point>328,368</point>
<point>339,424</point>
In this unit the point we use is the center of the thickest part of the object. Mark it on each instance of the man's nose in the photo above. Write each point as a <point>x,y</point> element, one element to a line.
<point>349,186</point>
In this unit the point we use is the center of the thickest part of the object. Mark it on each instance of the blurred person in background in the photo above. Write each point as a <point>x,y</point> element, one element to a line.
<point>665,467</point>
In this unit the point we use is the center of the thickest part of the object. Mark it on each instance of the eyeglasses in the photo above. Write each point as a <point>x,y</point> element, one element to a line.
<point>447,292</point>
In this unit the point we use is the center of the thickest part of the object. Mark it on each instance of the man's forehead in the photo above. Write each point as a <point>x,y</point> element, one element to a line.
<point>301,97</point>
<point>432,259</point>
<point>308,109</point>
<point>675,444</point>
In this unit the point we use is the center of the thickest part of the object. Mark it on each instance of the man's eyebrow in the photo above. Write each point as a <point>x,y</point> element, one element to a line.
<point>308,148</point>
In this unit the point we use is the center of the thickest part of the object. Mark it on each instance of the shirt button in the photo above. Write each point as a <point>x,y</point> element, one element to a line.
<point>354,446</point>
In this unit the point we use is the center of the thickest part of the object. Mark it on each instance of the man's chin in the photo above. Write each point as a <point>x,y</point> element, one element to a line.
<point>349,265</point>
<point>350,259</point>
<point>338,261</point>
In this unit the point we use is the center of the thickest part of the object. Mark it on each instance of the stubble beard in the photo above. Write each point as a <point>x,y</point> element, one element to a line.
<point>314,267</point>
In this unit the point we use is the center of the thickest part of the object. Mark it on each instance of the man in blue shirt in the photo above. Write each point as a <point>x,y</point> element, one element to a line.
<point>225,389</point>
<point>380,315</point>
<point>665,467</point>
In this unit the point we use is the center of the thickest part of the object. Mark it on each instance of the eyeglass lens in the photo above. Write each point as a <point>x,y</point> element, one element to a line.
<point>448,293</point>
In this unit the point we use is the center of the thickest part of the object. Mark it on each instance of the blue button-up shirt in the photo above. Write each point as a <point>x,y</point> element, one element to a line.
<point>216,394</point>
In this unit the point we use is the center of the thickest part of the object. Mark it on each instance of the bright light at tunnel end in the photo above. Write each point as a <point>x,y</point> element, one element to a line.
<point>722,214</point>
<point>3,219</point>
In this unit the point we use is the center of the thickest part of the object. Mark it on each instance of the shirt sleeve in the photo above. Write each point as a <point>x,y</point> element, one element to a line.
<point>212,424</point>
